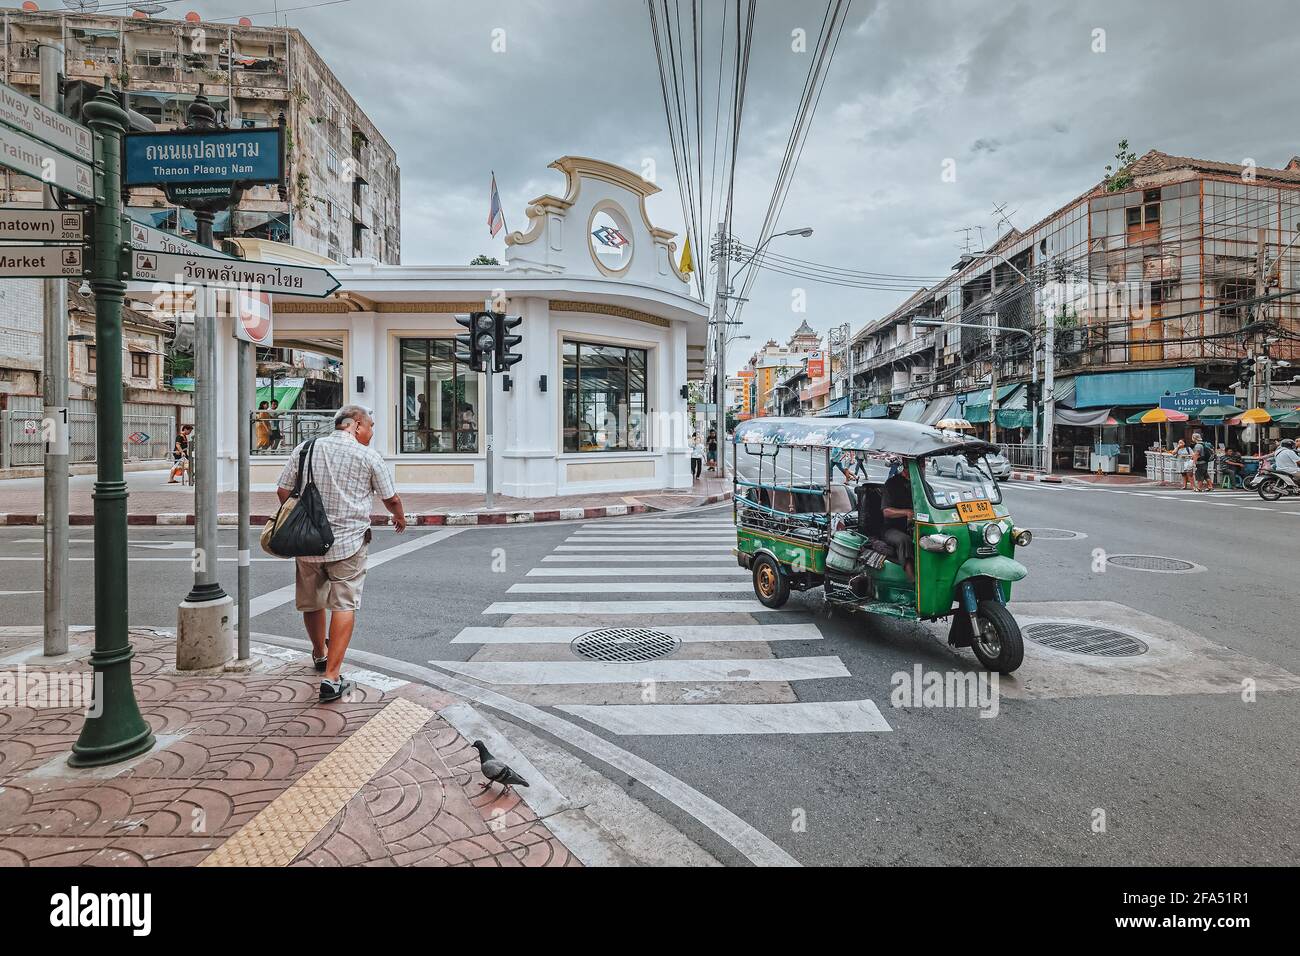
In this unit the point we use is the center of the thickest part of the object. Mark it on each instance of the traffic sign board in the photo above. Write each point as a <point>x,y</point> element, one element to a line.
<point>29,156</point>
<point>24,113</point>
<point>52,225</point>
<point>40,262</point>
<point>155,240</point>
<point>254,155</point>
<point>254,318</point>
<point>226,273</point>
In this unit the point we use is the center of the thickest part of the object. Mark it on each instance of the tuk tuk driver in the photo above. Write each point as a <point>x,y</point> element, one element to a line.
<point>896,508</point>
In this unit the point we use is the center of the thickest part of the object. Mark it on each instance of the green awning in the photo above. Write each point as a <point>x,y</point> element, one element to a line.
<point>286,395</point>
<point>912,410</point>
<point>874,411</point>
<point>1144,388</point>
<point>1015,418</point>
<point>977,414</point>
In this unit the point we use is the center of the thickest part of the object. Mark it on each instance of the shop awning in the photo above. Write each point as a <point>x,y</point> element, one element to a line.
<point>912,410</point>
<point>1015,418</point>
<point>1070,416</point>
<point>836,409</point>
<point>874,411</point>
<point>1063,391</point>
<point>976,414</point>
<point>287,391</point>
<point>1142,388</point>
<point>937,409</point>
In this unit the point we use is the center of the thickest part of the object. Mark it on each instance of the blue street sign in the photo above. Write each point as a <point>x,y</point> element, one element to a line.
<point>203,156</point>
<point>1193,400</point>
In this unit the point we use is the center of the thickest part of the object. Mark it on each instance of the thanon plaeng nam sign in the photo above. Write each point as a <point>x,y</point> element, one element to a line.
<point>203,156</point>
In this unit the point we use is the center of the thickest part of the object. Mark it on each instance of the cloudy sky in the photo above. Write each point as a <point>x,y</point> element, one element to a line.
<point>1014,93</point>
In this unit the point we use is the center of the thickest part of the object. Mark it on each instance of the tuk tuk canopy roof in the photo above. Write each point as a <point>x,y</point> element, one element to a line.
<point>910,439</point>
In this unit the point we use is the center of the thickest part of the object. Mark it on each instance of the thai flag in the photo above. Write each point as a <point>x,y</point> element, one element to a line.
<point>496,218</point>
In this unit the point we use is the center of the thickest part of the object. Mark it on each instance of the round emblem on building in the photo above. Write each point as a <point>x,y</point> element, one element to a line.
<point>609,236</point>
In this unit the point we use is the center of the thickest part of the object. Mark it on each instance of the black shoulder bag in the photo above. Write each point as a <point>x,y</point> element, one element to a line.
<point>302,528</point>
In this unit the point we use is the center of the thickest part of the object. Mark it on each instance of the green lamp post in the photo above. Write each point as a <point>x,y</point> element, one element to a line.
<point>118,732</point>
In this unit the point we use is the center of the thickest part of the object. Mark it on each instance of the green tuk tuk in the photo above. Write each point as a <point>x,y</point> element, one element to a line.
<point>847,505</point>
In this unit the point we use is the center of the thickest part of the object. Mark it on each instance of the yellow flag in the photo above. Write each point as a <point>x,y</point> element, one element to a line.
<point>688,264</point>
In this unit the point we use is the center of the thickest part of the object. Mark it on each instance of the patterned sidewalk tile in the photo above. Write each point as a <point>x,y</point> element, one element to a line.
<point>255,771</point>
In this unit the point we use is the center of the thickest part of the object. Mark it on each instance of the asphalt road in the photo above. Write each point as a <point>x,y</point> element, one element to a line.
<point>1151,759</point>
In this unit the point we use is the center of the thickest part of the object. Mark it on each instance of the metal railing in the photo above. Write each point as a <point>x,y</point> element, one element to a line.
<point>279,432</point>
<point>145,438</point>
<point>1026,457</point>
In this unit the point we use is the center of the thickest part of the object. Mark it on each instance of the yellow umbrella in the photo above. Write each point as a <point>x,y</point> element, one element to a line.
<point>1254,416</point>
<point>954,424</point>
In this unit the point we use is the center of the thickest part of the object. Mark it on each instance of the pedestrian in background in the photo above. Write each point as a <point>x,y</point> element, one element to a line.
<point>180,454</point>
<point>277,436</point>
<point>713,449</point>
<point>697,455</point>
<point>347,472</point>
<point>1183,455</point>
<point>1202,455</point>
<point>263,431</point>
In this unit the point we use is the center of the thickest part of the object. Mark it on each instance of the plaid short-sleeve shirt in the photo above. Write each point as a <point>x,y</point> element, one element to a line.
<point>348,475</point>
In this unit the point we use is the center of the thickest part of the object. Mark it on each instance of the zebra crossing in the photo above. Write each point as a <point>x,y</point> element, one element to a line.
<point>1220,497</point>
<point>721,664</point>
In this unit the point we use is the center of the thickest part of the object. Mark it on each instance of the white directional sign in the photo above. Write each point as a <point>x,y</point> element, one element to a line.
<point>226,273</point>
<point>40,262</point>
<point>28,156</point>
<point>51,225</point>
<point>24,113</point>
<point>155,240</point>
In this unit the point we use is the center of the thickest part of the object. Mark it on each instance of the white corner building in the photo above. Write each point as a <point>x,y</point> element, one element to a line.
<point>611,335</point>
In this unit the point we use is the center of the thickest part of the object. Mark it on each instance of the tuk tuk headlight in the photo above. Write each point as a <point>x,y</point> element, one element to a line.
<point>1022,537</point>
<point>992,534</point>
<point>939,542</point>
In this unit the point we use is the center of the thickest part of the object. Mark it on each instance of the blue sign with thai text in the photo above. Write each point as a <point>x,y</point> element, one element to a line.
<point>1193,400</point>
<point>203,156</point>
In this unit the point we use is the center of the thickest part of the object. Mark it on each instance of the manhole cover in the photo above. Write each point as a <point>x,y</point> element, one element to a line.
<point>1057,534</point>
<point>624,644</point>
<point>1084,639</point>
<point>1150,562</point>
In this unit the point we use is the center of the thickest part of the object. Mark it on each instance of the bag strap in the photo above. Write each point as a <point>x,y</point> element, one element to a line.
<point>303,456</point>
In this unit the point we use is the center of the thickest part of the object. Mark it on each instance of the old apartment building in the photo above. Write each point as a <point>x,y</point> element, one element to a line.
<point>343,195</point>
<point>1144,283</point>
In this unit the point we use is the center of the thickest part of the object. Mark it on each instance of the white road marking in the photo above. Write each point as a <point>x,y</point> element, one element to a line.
<point>685,534</point>
<point>631,572</point>
<point>659,523</point>
<point>649,548</point>
<point>595,608</point>
<point>829,717</point>
<point>273,599</point>
<point>605,558</point>
<point>686,633</point>
<point>133,559</point>
<point>634,672</point>
<point>7,593</point>
<point>631,587</point>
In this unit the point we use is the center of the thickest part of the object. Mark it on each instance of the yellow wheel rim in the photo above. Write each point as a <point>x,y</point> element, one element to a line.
<point>766,581</point>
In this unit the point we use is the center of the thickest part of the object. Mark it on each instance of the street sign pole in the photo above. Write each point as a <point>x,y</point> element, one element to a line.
<point>54,385</point>
<point>204,633</point>
<point>117,732</point>
<point>244,406</point>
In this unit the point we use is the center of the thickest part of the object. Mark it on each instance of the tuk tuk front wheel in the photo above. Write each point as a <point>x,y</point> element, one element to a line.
<point>997,641</point>
<point>771,587</point>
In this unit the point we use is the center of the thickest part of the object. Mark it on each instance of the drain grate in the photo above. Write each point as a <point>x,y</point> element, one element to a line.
<point>1150,562</point>
<point>1056,534</point>
<point>624,644</point>
<point>1084,639</point>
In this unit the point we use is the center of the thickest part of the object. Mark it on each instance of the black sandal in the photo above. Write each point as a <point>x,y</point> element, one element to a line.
<point>331,690</point>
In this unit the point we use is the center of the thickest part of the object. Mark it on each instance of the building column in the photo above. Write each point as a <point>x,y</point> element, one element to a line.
<point>672,431</point>
<point>527,419</point>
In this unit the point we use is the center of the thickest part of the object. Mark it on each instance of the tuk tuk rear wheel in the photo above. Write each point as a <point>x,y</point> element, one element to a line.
<point>771,587</point>
<point>997,643</point>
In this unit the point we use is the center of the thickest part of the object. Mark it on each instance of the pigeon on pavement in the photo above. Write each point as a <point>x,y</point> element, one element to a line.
<point>496,771</point>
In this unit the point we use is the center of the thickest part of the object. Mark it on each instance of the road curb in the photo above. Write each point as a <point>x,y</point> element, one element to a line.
<point>1034,476</point>
<point>420,519</point>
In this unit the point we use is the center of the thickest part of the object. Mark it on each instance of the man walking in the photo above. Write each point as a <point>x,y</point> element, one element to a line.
<point>347,473</point>
<point>1202,455</point>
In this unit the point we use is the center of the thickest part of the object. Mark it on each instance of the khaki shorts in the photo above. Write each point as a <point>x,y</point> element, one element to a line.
<point>330,585</point>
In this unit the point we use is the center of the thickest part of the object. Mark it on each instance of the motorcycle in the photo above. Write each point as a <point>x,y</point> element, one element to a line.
<point>1272,485</point>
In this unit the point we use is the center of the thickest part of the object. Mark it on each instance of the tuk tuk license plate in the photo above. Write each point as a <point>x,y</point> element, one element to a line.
<point>975,511</point>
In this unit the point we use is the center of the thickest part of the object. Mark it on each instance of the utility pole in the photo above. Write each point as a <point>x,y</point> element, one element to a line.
<point>993,385</point>
<point>244,389</point>
<point>720,294</point>
<point>203,635</point>
<point>117,732</point>
<point>54,386</point>
<point>1049,382</point>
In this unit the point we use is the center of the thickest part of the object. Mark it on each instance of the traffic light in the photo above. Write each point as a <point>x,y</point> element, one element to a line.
<point>1245,370</point>
<point>474,346</point>
<point>1033,393</point>
<point>504,358</point>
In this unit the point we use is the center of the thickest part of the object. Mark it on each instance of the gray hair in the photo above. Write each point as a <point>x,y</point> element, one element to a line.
<point>350,413</point>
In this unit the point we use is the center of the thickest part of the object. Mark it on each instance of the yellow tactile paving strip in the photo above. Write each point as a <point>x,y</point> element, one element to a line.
<point>291,821</point>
